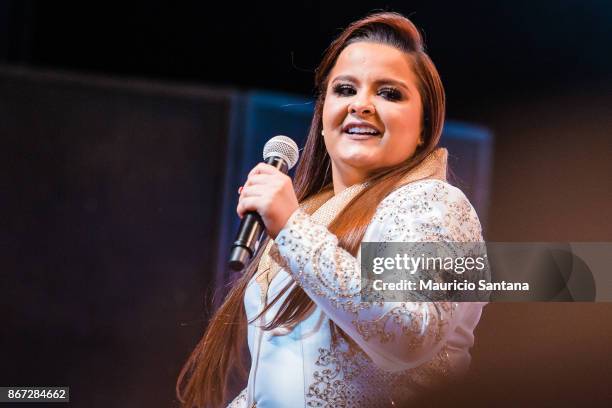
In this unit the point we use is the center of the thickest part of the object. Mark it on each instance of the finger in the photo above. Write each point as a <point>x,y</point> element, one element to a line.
<point>245,205</point>
<point>263,168</point>
<point>255,190</point>
<point>247,191</point>
<point>258,179</point>
<point>240,189</point>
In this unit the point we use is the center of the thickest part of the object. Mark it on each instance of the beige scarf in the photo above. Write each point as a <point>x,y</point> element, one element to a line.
<point>326,206</point>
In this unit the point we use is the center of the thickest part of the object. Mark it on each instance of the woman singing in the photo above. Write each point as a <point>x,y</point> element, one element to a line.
<point>370,171</point>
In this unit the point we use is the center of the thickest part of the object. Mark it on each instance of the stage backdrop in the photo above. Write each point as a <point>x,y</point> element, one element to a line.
<point>118,200</point>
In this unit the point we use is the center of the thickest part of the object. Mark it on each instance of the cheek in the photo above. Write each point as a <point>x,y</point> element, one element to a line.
<point>334,112</point>
<point>400,117</point>
<point>404,129</point>
<point>403,124</point>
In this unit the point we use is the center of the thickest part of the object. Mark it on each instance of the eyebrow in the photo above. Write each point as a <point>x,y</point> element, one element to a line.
<point>381,81</point>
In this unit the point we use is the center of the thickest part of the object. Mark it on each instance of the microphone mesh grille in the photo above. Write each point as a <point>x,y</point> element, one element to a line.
<point>283,147</point>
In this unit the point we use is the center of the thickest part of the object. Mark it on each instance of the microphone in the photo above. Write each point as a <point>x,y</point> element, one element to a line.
<point>282,153</point>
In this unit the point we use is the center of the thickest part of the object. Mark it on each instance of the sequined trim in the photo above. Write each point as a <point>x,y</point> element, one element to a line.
<point>346,377</point>
<point>240,401</point>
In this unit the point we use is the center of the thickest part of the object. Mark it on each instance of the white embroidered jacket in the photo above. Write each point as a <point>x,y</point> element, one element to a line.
<point>403,346</point>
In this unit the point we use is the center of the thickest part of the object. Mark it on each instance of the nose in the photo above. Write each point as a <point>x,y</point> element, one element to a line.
<point>362,106</point>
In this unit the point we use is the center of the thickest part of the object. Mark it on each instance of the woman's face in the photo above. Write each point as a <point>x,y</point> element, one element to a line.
<point>372,111</point>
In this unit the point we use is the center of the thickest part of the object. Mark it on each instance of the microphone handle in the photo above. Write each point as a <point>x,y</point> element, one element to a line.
<point>251,229</point>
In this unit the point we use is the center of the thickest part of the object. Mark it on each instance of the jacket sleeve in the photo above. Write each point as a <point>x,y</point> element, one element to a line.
<point>396,335</point>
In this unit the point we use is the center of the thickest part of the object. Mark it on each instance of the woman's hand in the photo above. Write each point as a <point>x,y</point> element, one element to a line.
<point>270,193</point>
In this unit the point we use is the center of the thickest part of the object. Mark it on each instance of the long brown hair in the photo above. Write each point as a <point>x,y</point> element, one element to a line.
<point>203,379</point>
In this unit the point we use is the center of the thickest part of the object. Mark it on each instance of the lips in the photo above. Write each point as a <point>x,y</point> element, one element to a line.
<point>361,129</point>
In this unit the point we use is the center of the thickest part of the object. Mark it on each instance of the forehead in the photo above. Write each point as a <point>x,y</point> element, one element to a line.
<point>370,61</point>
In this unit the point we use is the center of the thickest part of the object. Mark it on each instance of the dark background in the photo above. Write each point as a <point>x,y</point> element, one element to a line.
<point>107,236</point>
<point>488,53</point>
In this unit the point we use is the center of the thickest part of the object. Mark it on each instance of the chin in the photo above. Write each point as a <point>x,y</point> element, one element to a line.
<point>359,162</point>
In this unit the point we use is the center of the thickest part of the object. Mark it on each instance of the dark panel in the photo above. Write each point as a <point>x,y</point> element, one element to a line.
<point>109,196</point>
<point>470,162</point>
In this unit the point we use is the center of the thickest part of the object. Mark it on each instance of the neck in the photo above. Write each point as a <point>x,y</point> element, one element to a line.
<point>344,178</point>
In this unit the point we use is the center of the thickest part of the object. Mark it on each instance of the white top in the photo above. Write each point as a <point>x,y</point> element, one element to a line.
<point>403,346</point>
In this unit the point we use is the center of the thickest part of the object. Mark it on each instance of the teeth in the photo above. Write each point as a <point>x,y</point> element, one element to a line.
<point>362,130</point>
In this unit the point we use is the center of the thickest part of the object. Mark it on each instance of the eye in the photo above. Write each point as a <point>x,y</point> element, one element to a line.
<point>390,93</point>
<point>344,90</point>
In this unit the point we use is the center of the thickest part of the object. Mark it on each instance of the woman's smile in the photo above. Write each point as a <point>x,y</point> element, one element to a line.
<point>361,131</point>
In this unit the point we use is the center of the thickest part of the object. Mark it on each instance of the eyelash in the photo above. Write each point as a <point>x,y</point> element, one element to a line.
<point>388,93</point>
